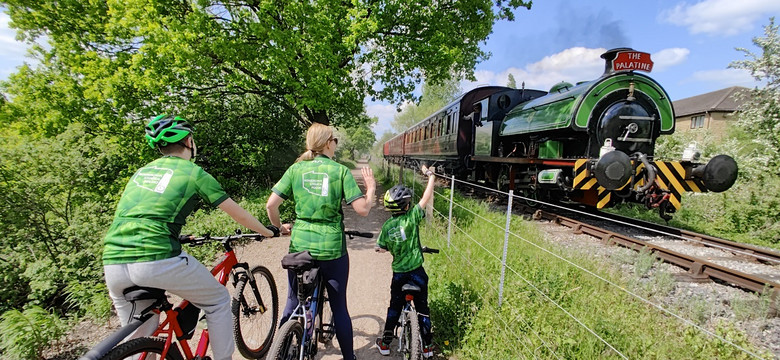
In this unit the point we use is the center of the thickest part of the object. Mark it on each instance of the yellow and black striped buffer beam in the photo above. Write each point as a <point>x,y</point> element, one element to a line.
<point>671,176</point>
<point>582,178</point>
<point>605,196</point>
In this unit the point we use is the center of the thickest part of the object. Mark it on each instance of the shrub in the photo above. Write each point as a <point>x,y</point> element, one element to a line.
<point>26,334</point>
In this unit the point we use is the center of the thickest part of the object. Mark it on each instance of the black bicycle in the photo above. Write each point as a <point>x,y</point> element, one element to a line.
<point>254,308</point>
<point>312,319</point>
<point>410,342</point>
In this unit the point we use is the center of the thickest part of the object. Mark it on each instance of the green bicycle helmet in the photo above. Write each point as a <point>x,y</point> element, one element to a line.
<point>397,198</point>
<point>167,129</point>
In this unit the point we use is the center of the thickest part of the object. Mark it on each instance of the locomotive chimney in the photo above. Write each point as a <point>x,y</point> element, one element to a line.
<point>609,56</point>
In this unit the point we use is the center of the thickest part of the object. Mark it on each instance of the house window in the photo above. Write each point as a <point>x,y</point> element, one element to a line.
<point>697,122</point>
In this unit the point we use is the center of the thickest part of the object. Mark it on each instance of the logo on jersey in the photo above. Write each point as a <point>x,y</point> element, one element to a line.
<point>396,234</point>
<point>316,183</point>
<point>153,179</point>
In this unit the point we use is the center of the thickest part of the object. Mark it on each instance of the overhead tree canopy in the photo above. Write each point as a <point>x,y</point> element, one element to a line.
<point>316,59</point>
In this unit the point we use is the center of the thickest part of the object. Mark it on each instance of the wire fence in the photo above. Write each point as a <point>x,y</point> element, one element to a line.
<point>454,232</point>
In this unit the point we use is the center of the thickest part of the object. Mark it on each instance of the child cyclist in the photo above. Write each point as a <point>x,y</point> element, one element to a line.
<point>400,236</point>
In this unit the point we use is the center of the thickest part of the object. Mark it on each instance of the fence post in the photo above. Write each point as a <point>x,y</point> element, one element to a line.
<point>506,244</point>
<point>449,220</point>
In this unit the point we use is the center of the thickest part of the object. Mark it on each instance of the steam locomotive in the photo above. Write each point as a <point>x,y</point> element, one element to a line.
<point>591,143</point>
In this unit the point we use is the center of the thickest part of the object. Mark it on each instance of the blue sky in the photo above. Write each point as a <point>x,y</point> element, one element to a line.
<point>691,44</point>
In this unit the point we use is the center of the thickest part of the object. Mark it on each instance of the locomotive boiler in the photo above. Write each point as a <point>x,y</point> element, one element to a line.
<point>591,143</point>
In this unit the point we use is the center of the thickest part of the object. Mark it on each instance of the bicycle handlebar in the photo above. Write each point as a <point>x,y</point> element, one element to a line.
<point>352,233</point>
<point>185,239</point>
<point>428,250</point>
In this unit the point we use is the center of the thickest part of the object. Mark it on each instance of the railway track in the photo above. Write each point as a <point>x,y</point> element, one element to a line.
<point>699,269</point>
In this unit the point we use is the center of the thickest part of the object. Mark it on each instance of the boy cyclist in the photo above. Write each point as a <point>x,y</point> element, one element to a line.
<point>400,236</point>
<point>142,246</point>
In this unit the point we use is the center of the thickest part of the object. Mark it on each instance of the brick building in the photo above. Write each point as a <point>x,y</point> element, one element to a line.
<point>711,111</point>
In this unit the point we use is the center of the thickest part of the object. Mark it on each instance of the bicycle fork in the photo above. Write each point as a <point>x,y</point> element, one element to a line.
<point>241,272</point>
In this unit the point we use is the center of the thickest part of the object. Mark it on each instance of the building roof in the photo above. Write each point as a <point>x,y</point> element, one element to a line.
<point>722,100</point>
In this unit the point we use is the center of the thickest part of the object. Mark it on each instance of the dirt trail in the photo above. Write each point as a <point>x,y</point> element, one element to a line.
<point>368,288</point>
<point>368,291</point>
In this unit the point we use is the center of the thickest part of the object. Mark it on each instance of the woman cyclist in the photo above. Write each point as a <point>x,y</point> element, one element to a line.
<point>319,185</point>
<point>142,246</point>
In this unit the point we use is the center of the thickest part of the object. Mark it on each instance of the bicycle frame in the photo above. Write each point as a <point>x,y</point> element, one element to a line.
<point>404,314</point>
<point>313,308</point>
<point>170,326</point>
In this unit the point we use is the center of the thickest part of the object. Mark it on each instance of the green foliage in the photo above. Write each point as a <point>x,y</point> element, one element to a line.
<point>510,81</point>
<point>468,323</point>
<point>27,333</point>
<point>218,223</point>
<point>456,303</point>
<point>88,299</point>
<point>318,60</point>
<point>721,349</point>
<point>760,115</point>
<point>355,140</point>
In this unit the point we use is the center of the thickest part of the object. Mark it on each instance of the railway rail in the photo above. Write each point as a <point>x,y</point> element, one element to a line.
<point>698,269</point>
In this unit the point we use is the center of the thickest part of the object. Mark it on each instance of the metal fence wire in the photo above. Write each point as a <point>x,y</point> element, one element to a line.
<point>508,270</point>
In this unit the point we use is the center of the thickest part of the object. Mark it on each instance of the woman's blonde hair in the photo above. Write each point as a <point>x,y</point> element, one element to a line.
<point>317,138</point>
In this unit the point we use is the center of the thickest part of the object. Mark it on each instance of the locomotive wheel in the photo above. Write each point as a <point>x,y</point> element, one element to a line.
<point>530,195</point>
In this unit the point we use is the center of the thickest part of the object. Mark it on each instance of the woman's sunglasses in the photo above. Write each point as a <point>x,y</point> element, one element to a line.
<point>335,140</point>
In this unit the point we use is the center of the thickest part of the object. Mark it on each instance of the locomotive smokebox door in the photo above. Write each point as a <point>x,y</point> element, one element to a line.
<point>613,170</point>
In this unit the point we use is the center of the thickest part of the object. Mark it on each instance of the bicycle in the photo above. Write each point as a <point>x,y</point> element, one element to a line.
<point>251,314</point>
<point>410,342</point>
<point>311,319</point>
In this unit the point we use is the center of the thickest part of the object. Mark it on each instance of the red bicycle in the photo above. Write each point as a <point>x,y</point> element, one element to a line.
<point>254,308</point>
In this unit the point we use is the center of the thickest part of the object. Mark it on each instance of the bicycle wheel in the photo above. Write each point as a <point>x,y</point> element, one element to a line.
<point>253,328</point>
<point>287,343</point>
<point>412,341</point>
<point>324,321</point>
<point>145,348</point>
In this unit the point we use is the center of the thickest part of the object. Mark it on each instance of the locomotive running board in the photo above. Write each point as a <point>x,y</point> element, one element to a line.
<point>518,160</point>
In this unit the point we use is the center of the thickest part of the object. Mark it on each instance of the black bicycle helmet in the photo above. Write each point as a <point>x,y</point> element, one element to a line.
<point>167,129</point>
<point>397,198</point>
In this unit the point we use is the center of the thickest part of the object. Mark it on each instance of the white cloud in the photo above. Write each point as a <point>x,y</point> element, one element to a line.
<point>571,65</point>
<point>720,17</point>
<point>669,57</point>
<point>13,51</point>
<point>724,78</point>
<point>385,113</point>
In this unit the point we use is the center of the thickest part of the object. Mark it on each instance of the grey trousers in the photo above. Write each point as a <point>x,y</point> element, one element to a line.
<point>185,277</point>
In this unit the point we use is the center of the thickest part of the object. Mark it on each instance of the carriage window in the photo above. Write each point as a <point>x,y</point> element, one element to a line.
<point>449,121</point>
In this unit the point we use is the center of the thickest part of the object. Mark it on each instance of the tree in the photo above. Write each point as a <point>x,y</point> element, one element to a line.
<point>315,59</point>
<point>510,82</point>
<point>356,140</point>
<point>760,115</point>
<point>434,96</point>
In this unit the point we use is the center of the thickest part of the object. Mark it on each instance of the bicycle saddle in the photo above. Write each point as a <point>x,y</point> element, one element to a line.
<point>134,293</point>
<point>409,288</point>
<point>300,261</point>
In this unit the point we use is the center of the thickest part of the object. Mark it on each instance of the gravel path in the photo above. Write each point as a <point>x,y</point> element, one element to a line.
<point>368,291</point>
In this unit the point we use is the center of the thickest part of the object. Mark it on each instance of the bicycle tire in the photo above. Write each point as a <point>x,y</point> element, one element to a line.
<point>324,321</point>
<point>253,330</point>
<point>287,343</point>
<point>139,346</point>
<point>412,336</point>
